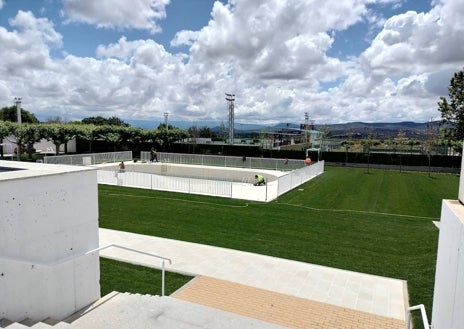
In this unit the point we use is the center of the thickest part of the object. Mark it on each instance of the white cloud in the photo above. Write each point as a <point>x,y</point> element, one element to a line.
<point>413,42</point>
<point>185,37</point>
<point>27,47</point>
<point>119,14</point>
<point>1,4</point>
<point>272,39</point>
<point>272,54</point>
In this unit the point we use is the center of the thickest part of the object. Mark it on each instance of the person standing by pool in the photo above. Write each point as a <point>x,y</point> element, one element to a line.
<point>153,155</point>
<point>122,167</point>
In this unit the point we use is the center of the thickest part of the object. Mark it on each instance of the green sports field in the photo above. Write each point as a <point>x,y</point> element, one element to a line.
<point>378,222</point>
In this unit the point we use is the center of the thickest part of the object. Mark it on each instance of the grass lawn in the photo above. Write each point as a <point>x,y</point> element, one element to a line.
<point>124,277</point>
<point>378,222</point>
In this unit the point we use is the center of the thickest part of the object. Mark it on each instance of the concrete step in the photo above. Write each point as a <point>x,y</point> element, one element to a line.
<point>88,308</point>
<point>48,323</point>
<point>27,322</point>
<point>127,310</point>
<point>41,325</point>
<point>4,323</point>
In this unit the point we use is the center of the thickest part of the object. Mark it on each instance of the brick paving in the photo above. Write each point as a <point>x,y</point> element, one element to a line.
<point>280,309</point>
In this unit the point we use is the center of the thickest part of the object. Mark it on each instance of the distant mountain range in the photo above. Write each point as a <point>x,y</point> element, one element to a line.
<point>342,130</point>
<point>380,130</point>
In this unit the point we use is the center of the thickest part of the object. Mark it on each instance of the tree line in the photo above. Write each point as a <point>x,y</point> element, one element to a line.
<point>29,133</point>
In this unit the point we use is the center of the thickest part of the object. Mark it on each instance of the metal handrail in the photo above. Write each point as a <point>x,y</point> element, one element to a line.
<point>65,260</point>
<point>425,320</point>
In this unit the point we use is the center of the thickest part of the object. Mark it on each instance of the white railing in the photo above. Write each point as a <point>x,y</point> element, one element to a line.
<point>299,176</point>
<point>68,259</point>
<point>89,159</point>
<point>242,189</point>
<point>425,320</point>
<point>225,161</point>
<point>163,259</point>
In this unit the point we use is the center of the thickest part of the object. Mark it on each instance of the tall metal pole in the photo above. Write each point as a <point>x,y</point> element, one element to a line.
<point>306,126</point>
<point>166,120</point>
<point>230,98</point>
<point>17,101</point>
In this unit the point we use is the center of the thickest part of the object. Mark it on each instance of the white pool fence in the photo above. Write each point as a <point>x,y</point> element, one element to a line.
<point>238,190</point>
<point>89,159</point>
<point>296,173</point>
<point>226,161</point>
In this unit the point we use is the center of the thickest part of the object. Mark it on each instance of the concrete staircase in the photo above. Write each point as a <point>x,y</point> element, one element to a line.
<point>125,310</point>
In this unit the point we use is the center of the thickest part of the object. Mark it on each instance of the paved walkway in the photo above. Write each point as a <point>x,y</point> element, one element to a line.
<point>279,309</point>
<point>350,291</point>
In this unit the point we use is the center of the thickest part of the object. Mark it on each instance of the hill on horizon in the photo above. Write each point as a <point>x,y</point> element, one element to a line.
<point>378,130</point>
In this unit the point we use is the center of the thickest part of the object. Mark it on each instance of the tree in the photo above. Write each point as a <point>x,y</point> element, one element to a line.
<point>112,134</point>
<point>10,114</point>
<point>206,132</point>
<point>5,131</point>
<point>101,121</point>
<point>452,110</point>
<point>26,135</point>
<point>168,137</point>
<point>87,132</point>
<point>60,133</point>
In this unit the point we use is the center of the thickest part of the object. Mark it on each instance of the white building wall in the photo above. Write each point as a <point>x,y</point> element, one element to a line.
<point>48,221</point>
<point>448,298</point>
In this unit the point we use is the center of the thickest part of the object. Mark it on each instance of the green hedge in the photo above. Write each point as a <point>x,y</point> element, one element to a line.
<point>256,151</point>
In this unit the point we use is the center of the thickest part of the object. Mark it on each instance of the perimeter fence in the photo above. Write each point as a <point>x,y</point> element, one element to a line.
<point>294,173</point>
<point>212,186</point>
<point>89,158</point>
<point>225,161</point>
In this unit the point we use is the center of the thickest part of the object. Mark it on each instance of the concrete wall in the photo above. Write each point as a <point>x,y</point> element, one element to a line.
<point>448,298</point>
<point>461,182</point>
<point>48,221</point>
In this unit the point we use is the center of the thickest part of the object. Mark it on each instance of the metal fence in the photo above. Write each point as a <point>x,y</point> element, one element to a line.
<point>225,161</point>
<point>89,159</point>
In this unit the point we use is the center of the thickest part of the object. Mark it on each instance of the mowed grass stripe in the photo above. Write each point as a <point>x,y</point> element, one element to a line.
<point>363,235</point>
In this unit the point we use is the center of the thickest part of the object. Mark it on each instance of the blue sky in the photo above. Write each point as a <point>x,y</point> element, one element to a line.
<point>337,60</point>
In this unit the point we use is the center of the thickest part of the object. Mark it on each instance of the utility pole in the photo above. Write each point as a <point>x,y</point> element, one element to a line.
<point>230,98</point>
<point>17,101</point>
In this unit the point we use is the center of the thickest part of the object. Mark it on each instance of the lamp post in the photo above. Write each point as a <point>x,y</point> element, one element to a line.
<point>17,101</point>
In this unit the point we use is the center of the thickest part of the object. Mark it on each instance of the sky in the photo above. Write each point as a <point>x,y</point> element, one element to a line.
<point>332,61</point>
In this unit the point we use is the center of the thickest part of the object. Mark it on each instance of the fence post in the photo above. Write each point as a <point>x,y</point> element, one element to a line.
<point>162,281</point>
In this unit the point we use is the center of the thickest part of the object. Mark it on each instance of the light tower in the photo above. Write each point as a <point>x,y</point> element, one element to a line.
<point>166,120</point>
<point>230,98</point>
<point>306,126</point>
<point>17,101</point>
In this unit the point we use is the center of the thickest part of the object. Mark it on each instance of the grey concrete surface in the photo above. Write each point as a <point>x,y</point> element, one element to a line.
<point>358,291</point>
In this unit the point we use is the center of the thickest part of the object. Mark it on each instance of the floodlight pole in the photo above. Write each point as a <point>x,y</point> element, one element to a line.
<point>166,120</point>
<point>17,101</point>
<point>306,126</point>
<point>230,98</point>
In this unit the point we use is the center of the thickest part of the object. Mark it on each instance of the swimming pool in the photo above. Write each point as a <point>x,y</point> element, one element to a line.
<point>229,182</point>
